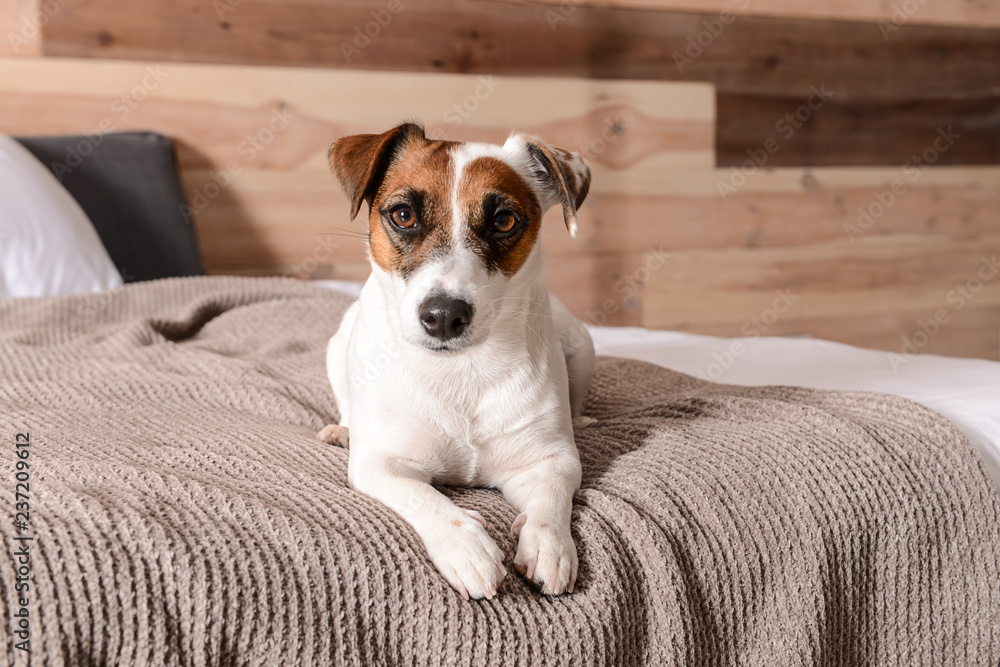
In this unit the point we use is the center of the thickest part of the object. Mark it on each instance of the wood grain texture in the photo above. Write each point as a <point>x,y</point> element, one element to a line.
<point>296,223</point>
<point>284,119</point>
<point>871,277</point>
<point>792,207</point>
<point>666,239</point>
<point>271,206</point>
<point>856,131</point>
<point>780,209</point>
<point>764,55</point>
<point>962,13</point>
<point>248,228</point>
<point>21,25</point>
<point>971,332</point>
<point>266,203</point>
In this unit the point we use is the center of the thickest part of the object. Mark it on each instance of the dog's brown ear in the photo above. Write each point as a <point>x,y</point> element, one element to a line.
<point>566,176</point>
<point>360,161</point>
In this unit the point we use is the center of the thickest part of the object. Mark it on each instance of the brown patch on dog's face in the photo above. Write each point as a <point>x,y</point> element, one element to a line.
<point>420,180</point>
<point>502,214</point>
<point>359,161</point>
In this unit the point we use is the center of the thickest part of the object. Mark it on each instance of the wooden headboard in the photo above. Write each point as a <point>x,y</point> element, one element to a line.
<point>776,158</point>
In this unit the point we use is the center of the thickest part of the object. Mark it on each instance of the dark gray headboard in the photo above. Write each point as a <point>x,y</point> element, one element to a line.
<point>128,185</point>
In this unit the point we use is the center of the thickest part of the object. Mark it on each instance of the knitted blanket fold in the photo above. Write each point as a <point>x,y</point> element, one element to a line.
<point>183,513</point>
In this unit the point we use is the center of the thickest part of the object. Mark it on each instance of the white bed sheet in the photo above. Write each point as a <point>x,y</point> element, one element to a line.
<point>966,391</point>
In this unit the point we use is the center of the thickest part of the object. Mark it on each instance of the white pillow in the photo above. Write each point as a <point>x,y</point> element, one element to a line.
<point>48,245</point>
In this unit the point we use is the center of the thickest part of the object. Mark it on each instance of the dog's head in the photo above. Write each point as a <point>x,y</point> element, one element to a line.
<point>453,227</point>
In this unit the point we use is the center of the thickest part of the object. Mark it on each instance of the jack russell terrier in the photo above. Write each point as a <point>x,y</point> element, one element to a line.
<point>486,373</point>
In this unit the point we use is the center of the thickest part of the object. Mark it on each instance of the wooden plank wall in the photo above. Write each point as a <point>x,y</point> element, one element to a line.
<point>983,14</point>
<point>21,26</point>
<point>483,37</point>
<point>812,167</point>
<point>894,71</point>
<point>252,145</point>
<point>764,58</point>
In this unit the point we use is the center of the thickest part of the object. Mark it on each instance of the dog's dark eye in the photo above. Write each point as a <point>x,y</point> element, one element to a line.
<point>403,216</point>
<point>504,221</point>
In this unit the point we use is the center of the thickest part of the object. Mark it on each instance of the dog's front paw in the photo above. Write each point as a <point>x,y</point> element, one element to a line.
<point>583,422</point>
<point>467,557</point>
<point>335,434</point>
<point>546,555</point>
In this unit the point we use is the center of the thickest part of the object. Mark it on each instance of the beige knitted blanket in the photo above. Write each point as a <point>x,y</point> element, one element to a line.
<point>182,513</point>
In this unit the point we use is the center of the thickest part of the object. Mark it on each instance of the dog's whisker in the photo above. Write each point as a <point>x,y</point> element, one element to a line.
<point>346,234</point>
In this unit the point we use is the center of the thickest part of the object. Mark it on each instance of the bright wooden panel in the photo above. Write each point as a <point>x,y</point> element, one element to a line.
<point>273,207</point>
<point>873,276</point>
<point>264,216</point>
<point>785,207</point>
<point>21,25</point>
<point>971,14</point>
<point>250,227</point>
<point>215,112</point>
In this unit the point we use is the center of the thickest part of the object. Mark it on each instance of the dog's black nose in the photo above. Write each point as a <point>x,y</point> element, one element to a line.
<point>445,318</point>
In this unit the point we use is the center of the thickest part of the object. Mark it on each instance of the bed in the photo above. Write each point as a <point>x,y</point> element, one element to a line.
<point>182,512</point>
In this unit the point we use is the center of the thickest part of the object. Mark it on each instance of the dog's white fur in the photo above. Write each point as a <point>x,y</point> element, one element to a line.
<point>498,412</point>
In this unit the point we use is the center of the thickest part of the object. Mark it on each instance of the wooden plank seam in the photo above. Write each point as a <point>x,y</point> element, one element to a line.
<point>900,14</point>
<point>628,286</point>
<point>786,127</point>
<point>912,169</point>
<point>698,43</point>
<point>252,146</point>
